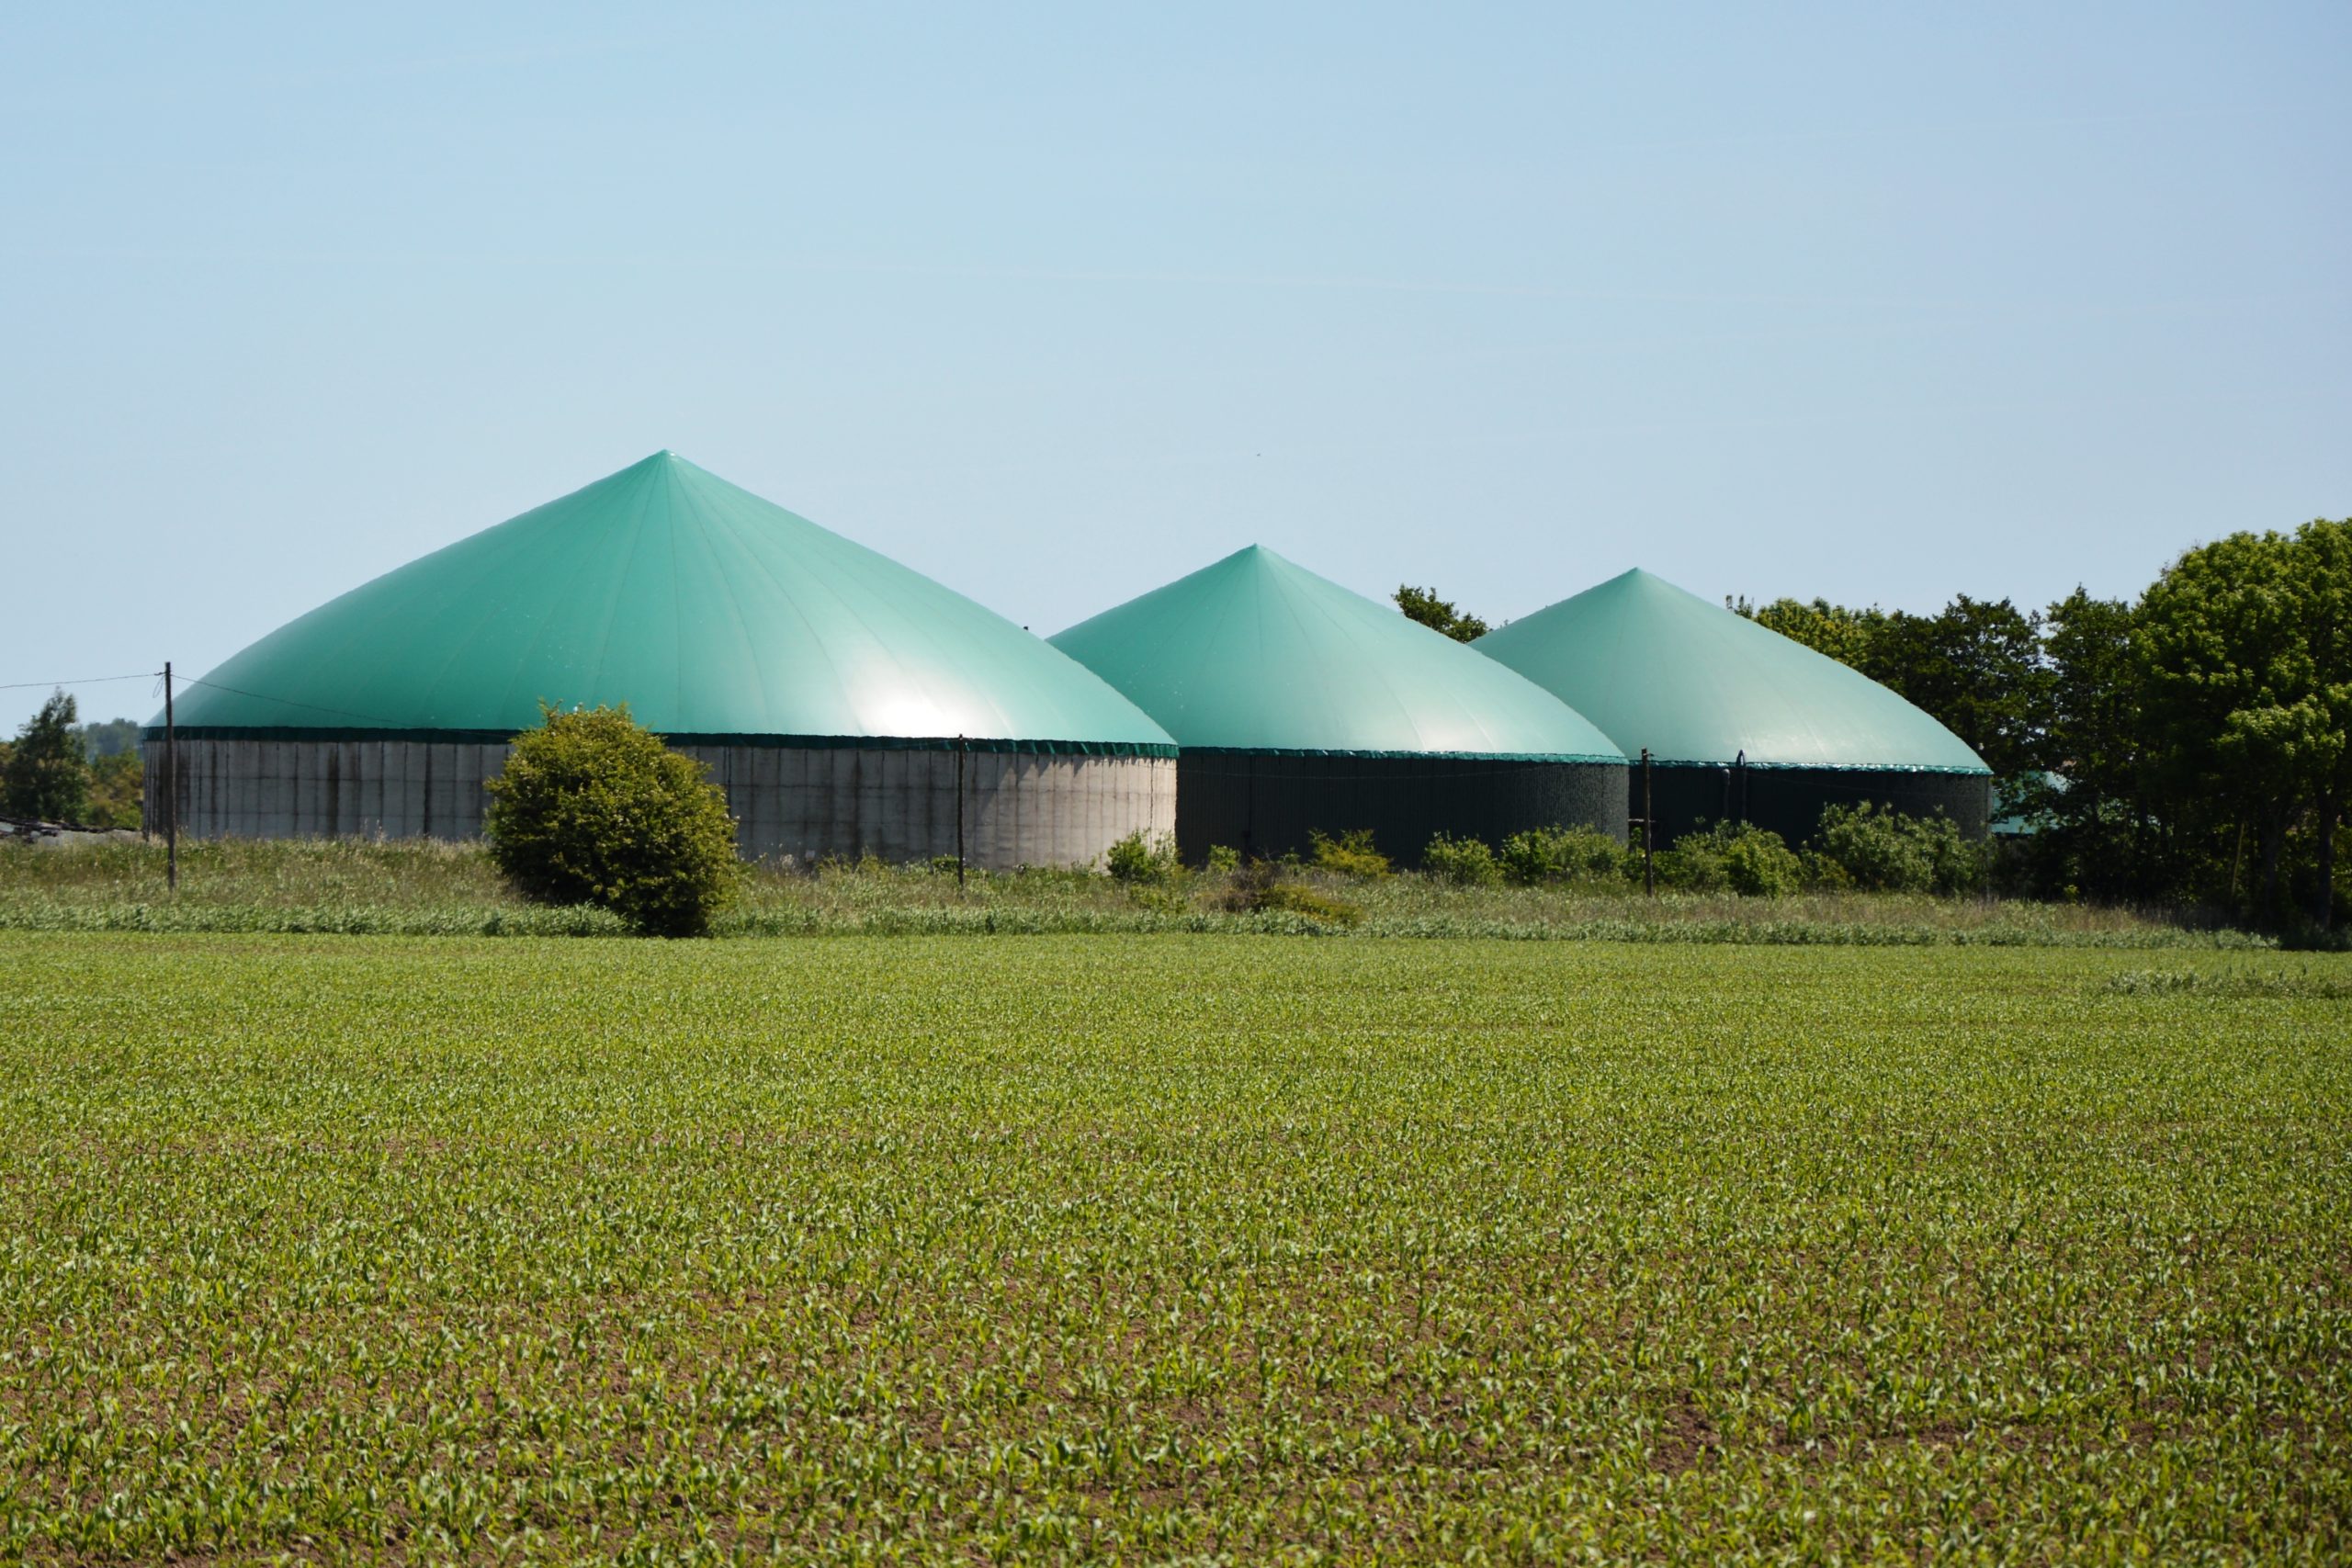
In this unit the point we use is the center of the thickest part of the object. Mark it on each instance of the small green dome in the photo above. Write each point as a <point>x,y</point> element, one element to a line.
<point>1655,666</point>
<point>1255,654</point>
<point>707,610</point>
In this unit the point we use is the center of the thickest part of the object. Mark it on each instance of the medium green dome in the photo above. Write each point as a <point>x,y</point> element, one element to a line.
<point>711,613</point>
<point>1655,666</point>
<point>1255,654</point>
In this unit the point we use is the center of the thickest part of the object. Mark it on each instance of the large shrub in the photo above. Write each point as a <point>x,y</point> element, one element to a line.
<point>1962,865</point>
<point>1739,857</point>
<point>1352,854</point>
<point>1141,859</point>
<point>1882,850</point>
<point>1465,862</point>
<point>592,809</point>
<point>1562,854</point>
<point>1760,864</point>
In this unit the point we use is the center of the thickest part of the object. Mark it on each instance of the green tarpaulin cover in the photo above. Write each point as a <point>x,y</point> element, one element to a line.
<point>1256,654</point>
<point>1655,666</point>
<point>707,610</point>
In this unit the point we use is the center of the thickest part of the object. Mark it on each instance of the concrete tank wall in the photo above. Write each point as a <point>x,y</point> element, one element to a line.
<point>1018,808</point>
<point>1269,803</point>
<point>1790,801</point>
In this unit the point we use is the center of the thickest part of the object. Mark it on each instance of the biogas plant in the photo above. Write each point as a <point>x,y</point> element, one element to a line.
<point>846,704</point>
<point>849,705</point>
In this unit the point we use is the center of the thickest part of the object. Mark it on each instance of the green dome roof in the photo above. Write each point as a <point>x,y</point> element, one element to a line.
<point>1659,667</point>
<point>1255,654</point>
<point>707,610</point>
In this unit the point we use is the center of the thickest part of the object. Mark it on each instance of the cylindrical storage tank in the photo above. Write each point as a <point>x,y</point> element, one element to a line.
<point>1298,706</point>
<point>1741,723</point>
<point>847,705</point>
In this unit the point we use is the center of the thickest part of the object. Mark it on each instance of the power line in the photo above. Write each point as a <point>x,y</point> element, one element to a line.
<point>289,702</point>
<point>191,680</point>
<point>87,681</point>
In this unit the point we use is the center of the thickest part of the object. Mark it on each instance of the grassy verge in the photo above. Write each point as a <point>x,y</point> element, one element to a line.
<point>431,889</point>
<point>1168,1248</point>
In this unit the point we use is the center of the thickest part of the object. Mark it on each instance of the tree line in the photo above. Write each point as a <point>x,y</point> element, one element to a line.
<point>58,770</point>
<point>2189,744</point>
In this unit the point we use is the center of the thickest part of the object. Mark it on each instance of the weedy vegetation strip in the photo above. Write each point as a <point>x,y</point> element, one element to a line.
<point>348,887</point>
<point>1225,1249</point>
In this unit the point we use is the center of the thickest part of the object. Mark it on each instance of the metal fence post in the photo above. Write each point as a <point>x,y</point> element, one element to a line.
<point>171,786</point>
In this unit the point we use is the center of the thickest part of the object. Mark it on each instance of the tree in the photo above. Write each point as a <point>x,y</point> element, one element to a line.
<point>1422,604</point>
<point>2098,835</point>
<point>1844,635</point>
<point>2242,729</point>
<point>1977,667</point>
<point>47,779</point>
<point>110,738</point>
<point>2322,572</point>
<point>590,808</point>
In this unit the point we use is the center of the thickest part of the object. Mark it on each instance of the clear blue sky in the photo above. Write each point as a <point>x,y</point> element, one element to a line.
<point>1878,302</point>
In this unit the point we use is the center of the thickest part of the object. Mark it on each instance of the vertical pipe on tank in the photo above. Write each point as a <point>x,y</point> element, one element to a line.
<point>1649,875</point>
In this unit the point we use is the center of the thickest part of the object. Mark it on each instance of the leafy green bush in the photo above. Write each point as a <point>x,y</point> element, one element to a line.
<point>1739,857</point>
<point>1962,865</point>
<point>1350,855</point>
<point>1760,864</point>
<point>1465,862</point>
<point>1565,854</point>
<point>1882,850</point>
<point>1874,849</point>
<point>1821,873</point>
<point>592,809</point>
<point>1224,859</point>
<point>1142,859</point>
<point>1692,864</point>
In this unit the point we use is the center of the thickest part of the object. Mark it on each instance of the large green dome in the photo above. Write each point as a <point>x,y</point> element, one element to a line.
<point>1657,667</point>
<point>1256,654</point>
<point>713,613</point>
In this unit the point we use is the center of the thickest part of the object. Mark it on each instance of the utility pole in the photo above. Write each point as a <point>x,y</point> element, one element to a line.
<point>171,786</point>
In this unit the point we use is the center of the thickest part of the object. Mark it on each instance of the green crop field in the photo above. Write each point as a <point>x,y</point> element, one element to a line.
<point>1218,1247</point>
